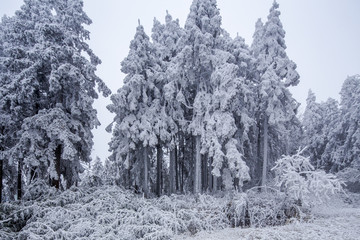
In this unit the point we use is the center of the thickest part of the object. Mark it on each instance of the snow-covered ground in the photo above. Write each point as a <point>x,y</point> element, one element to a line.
<point>110,212</point>
<point>338,221</point>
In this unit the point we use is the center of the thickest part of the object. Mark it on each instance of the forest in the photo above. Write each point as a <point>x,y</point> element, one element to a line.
<point>200,115</point>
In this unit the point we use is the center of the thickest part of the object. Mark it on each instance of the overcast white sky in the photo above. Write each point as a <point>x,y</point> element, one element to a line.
<point>322,36</point>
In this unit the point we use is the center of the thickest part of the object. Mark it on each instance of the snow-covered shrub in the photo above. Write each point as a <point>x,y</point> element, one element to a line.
<point>351,176</point>
<point>266,207</point>
<point>260,207</point>
<point>237,210</point>
<point>38,189</point>
<point>110,212</point>
<point>302,183</point>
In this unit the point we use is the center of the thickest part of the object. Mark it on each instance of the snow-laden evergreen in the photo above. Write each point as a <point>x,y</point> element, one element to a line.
<point>203,100</point>
<point>276,72</point>
<point>49,90</point>
<point>166,38</point>
<point>141,120</point>
<point>202,121</point>
<point>332,132</point>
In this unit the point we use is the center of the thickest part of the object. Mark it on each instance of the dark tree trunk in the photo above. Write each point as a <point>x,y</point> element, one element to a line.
<point>159,169</point>
<point>56,182</point>
<point>181,161</point>
<point>1,166</point>
<point>265,159</point>
<point>19,180</point>
<point>146,173</point>
<point>1,177</point>
<point>204,172</point>
<point>209,176</point>
<point>215,183</point>
<point>172,171</point>
<point>176,169</point>
<point>197,169</point>
<point>259,156</point>
<point>128,178</point>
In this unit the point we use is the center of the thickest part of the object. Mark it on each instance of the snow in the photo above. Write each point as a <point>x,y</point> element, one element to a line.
<point>328,222</point>
<point>110,212</point>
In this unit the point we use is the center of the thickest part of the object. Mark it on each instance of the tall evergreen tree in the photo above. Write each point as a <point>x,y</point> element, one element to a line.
<point>141,121</point>
<point>331,125</point>
<point>166,39</point>
<point>350,114</point>
<point>244,104</point>
<point>51,88</point>
<point>203,30</point>
<point>276,72</point>
<point>197,72</point>
<point>313,124</point>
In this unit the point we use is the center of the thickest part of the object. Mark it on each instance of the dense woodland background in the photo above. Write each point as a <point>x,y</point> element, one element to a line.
<point>198,111</point>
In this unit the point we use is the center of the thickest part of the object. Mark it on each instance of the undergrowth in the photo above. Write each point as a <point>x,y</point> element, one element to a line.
<point>110,212</point>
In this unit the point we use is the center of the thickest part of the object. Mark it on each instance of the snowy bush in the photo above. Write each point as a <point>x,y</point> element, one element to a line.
<point>260,207</point>
<point>38,189</point>
<point>237,210</point>
<point>109,212</point>
<point>302,183</point>
<point>266,207</point>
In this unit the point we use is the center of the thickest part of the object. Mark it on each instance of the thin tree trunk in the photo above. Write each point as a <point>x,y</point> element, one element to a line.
<point>19,180</point>
<point>287,143</point>
<point>58,151</point>
<point>172,171</point>
<point>215,180</point>
<point>204,173</point>
<point>197,175</point>
<point>210,176</point>
<point>1,177</point>
<point>159,155</point>
<point>265,159</point>
<point>176,169</point>
<point>1,166</point>
<point>128,178</point>
<point>181,159</point>
<point>146,172</point>
<point>258,156</point>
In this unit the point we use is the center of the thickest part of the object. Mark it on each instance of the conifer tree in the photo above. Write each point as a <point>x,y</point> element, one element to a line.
<point>197,72</point>
<point>51,88</point>
<point>244,103</point>
<point>276,72</point>
<point>350,115</point>
<point>341,150</point>
<point>140,117</point>
<point>313,125</point>
<point>166,39</point>
<point>331,126</point>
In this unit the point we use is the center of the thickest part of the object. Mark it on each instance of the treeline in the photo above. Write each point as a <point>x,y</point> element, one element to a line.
<point>332,132</point>
<point>47,88</point>
<point>200,111</point>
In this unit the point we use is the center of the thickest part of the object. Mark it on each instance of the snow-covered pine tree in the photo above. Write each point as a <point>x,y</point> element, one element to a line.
<point>5,118</point>
<point>13,102</point>
<point>193,71</point>
<point>140,121</point>
<point>328,140</point>
<point>276,72</point>
<point>228,102</point>
<point>341,151</point>
<point>166,42</point>
<point>53,87</point>
<point>97,168</point>
<point>313,126</point>
<point>350,115</point>
<point>244,104</point>
<point>197,72</point>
